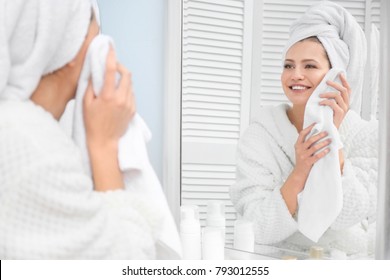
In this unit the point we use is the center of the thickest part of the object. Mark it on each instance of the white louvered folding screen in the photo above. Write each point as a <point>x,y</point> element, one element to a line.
<point>217,46</point>
<point>216,56</point>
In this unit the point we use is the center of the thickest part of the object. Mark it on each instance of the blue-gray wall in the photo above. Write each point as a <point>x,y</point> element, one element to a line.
<point>137,27</point>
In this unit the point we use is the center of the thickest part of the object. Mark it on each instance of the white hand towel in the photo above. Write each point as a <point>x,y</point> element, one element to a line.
<point>322,198</point>
<point>342,38</point>
<point>133,159</point>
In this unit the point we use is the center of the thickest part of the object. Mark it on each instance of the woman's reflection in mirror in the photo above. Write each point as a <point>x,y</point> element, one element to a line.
<point>277,153</point>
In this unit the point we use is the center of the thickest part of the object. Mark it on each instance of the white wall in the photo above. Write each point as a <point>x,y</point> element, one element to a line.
<point>137,28</point>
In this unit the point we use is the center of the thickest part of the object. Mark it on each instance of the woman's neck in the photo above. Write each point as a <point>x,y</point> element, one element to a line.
<point>54,92</point>
<point>296,116</point>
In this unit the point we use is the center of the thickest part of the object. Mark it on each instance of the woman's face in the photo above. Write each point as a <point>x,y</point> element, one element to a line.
<point>304,67</point>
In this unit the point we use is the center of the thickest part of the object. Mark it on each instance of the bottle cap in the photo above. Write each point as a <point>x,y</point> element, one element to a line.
<point>215,213</point>
<point>189,218</point>
<point>316,252</point>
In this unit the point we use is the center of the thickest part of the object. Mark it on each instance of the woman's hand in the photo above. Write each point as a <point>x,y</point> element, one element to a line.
<point>338,101</point>
<point>107,115</point>
<point>307,152</point>
<point>106,119</point>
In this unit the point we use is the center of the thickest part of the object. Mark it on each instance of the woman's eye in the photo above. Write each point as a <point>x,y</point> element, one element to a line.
<point>310,66</point>
<point>288,66</point>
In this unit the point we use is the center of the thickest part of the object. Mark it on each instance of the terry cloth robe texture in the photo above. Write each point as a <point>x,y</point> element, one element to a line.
<point>48,208</point>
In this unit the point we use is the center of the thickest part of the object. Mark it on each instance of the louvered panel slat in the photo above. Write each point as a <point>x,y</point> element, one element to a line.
<point>210,57</point>
<point>211,99</point>
<point>215,7</point>
<point>228,3</point>
<point>216,120</point>
<point>223,136</point>
<point>225,33</point>
<point>214,49</point>
<point>214,128</point>
<point>211,106</point>
<point>217,132</point>
<point>217,77</point>
<point>214,179</point>
<point>211,113</point>
<point>213,92</point>
<point>195,41</point>
<point>213,64</point>
<point>213,36</point>
<point>212,22</point>
<point>213,71</point>
<point>212,14</point>
<point>194,188</point>
<point>209,168</point>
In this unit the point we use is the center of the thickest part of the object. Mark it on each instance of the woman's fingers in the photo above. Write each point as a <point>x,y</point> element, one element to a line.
<point>344,88</point>
<point>89,93</point>
<point>318,146</point>
<point>303,134</point>
<point>338,110</point>
<point>334,96</point>
<point>110,76</point>
<point>320,155</point>
<point>124,86</point>
<point>314,139</point>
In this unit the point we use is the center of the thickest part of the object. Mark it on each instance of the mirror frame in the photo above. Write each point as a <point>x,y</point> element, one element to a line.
<point>382,248</point>
<point>172,107</point>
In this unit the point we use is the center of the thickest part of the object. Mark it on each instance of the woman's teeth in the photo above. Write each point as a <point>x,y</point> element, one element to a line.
<point>298,87</point>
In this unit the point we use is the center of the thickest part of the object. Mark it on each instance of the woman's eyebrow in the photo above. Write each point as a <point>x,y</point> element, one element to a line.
<point>309,60</point>
<point>303,60</point>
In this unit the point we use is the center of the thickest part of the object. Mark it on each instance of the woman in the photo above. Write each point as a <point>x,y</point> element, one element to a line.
<point>276,153</point>
<point>49,207</point>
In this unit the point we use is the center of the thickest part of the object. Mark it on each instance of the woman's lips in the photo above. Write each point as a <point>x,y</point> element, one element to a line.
<point>299,88</point>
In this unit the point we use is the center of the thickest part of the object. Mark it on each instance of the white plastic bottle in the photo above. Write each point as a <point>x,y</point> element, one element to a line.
<point>244,236</point>
<point>216,216</point>
<point>213,245</point>
<point>190,232</point>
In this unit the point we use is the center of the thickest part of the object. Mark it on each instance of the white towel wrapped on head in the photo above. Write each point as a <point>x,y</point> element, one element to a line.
<point>38,37</point>
<point>138,173</point>
<point>342,38</point>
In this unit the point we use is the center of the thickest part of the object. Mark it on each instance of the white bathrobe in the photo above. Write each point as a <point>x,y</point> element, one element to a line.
<point>48,206</point>
<point>266,157</point>
<point>48,209</point>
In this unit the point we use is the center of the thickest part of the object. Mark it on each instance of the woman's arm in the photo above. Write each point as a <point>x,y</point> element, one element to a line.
<point>106,118</point>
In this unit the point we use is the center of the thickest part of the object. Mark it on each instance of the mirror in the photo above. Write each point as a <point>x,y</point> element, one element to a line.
<point>229,66</point>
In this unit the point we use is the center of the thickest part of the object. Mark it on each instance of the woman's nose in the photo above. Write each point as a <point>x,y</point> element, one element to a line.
<point>297,74</point>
